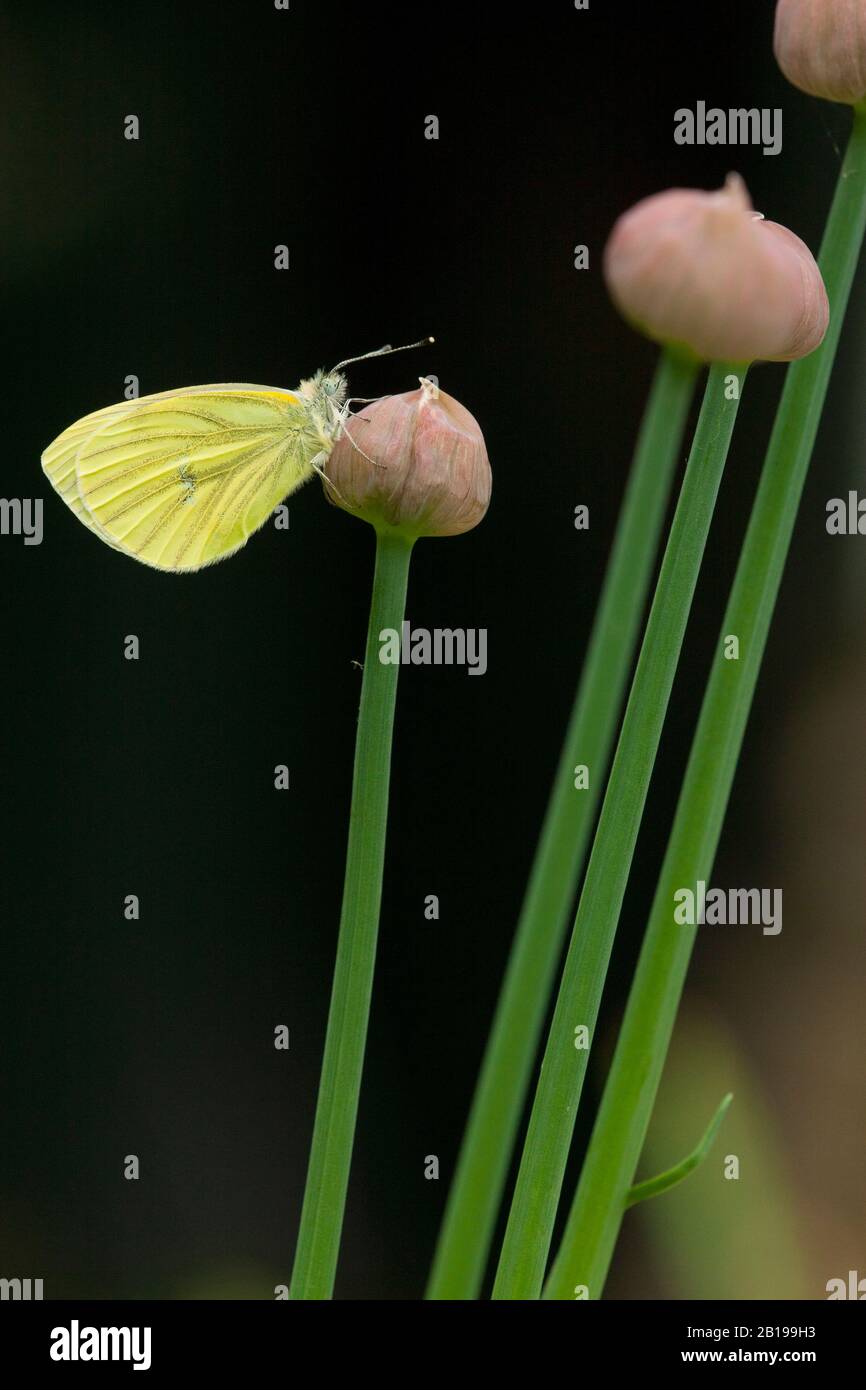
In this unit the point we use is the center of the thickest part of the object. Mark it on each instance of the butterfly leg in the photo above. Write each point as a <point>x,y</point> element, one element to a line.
<point>356,446</point>
<point>317,468</point>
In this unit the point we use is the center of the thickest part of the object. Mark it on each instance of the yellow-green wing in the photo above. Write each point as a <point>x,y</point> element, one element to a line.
<point>58,460</point>
<point>181,479</point>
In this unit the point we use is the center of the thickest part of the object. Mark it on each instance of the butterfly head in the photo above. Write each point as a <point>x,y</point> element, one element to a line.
<point>325,394</point>
<point>332,387</point>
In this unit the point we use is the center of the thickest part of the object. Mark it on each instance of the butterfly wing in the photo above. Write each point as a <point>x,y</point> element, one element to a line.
<point>181,479</point>
<point>58,460</point>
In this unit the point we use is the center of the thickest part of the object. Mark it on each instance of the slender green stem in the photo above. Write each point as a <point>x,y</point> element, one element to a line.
<point>620,1129</point>
<point>337,1108</point>
<point>473,1203</point>
<point>672,1177</point>
<point>527,1238</point>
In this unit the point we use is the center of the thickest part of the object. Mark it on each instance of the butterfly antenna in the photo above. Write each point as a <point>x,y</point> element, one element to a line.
<point>383,351</point>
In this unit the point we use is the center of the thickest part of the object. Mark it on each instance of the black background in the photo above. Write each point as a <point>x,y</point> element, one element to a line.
<point>155,777</point>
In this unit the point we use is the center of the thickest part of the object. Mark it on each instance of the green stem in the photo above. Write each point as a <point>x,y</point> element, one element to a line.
<point>672,1177</point>
<point>473,1202</point>
<point>337,1108</point>
<point>620,1129</point>
<point>528,1234</point>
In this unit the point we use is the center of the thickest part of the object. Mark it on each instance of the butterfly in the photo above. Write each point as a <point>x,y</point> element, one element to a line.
<point>183,478</point>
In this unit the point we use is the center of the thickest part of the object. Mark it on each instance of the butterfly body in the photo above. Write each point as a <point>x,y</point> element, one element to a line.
<point>181,479</point>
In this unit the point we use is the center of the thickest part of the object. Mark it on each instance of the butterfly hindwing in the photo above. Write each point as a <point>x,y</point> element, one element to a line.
<point>58,460</point>
<point>181,479</point>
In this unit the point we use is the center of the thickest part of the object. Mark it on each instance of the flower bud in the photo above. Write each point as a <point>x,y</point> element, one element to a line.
<point>416,463</point>
<point>820,45</point>
<point>703,271</point>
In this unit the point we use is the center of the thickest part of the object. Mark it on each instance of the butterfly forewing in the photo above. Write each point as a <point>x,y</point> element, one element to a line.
<point>181,479</point>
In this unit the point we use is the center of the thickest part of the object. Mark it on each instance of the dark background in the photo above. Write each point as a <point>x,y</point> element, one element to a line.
<point>155,777</point>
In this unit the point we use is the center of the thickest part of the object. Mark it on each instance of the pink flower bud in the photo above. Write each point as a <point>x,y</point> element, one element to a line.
<point>702,271</point>
<point>415,463</point>
<point>820,45</point>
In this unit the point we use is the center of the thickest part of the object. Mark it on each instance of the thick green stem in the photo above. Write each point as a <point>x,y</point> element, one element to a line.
<point>473,1203</point>
<point>527,1239</point>
<point>620,1129</point>
<point>337,1108</point>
